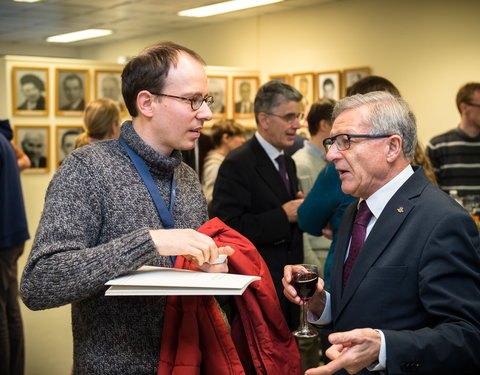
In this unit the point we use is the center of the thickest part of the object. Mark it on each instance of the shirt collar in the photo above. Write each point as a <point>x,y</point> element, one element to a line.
<point>378,200</point>
<point>271,151</point>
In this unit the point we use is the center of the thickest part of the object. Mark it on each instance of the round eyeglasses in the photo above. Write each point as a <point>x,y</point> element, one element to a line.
<point>343,141</point>
<point>196,100</point>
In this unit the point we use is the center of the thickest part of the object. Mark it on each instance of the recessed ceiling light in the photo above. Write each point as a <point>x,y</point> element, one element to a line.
<point>78,35</point>
<point>227,6</point>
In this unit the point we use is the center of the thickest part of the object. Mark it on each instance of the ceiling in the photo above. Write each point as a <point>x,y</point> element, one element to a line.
<point>32,23</point>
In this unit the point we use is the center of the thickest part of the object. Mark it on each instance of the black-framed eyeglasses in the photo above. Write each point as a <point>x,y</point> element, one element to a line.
<point>196,100</point>
<point>342,141</point>
<point>289,117</point>
<point>473,104</point>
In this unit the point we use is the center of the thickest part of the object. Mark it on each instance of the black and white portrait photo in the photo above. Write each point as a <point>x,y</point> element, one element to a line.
<point>34,141</point>
<point>350,76</point>
<point>217,87</point>
<point>72,91</point>
<point>30,91</point>
<point>328,85</point>
<point>244,91</point>
<point>65,138</point>
<point>303,82</point>
<point>108,84</point>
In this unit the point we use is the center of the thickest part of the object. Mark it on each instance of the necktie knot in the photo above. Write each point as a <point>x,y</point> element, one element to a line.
<point>363,214</point>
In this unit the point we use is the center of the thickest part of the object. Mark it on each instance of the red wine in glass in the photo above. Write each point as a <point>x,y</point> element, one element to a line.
<point>305,284</point>
<point>304,280</point>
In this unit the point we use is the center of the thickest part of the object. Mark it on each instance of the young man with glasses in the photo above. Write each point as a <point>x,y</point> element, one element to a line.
<point>455,155</point>
<point>250,194</point>
<point>100,220</point>
<point>405,291</point>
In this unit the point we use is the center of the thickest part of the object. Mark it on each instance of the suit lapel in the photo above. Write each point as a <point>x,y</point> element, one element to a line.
<point>385,228</point>
<point>268,172</point>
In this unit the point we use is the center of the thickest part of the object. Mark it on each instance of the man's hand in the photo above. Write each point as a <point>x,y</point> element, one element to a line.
<point>188,242</point>
<point>316,303</point>
<point>291,207</point>
<point>352,350</point>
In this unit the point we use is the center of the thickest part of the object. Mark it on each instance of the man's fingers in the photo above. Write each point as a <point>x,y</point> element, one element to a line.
<point>328,369</point>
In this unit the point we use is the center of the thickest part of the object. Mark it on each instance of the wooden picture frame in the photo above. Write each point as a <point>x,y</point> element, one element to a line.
<point>65,137</point>
<point>108,84</point>
<point>352,75</point>
<point>284,78</point>
<point>328,85</point>
<point>304,82</point>
<point>72,91</point>
<point>30,91</point>
<point>244,91</point>
<point>34,141</point>
<point>218,88</point>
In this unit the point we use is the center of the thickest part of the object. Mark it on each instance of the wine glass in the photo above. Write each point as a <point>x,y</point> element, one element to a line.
<point>305,277</point>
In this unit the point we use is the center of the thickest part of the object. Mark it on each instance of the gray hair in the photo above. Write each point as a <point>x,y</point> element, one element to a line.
<point>388,114</point>
<point>272,94</point>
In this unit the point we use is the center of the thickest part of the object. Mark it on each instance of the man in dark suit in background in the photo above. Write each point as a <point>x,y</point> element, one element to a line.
<point>244,105</point>
<point>250,195</point>
<point>406,299</point>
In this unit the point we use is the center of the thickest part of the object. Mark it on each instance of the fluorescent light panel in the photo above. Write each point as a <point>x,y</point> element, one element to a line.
<point>78,35</point>
<point>27,1</point>
<point>225,7</point>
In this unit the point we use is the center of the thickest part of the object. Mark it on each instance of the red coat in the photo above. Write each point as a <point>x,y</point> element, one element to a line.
<point>195,338</point>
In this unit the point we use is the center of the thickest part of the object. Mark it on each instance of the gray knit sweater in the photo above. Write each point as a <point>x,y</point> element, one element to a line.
<point>94,227</point>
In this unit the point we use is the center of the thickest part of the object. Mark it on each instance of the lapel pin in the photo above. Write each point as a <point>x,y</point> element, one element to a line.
<point>400,210</point>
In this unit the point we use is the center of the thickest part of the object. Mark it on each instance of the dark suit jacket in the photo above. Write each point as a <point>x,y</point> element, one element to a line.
<point>416,279</point>
<point>40,105</point>
<point>238,107</point>
<point>248,196</point>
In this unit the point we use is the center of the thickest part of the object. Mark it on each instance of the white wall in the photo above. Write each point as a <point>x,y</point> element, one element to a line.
<point>428,48</point>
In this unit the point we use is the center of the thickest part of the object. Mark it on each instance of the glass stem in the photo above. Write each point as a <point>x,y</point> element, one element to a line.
<point>304,316</point>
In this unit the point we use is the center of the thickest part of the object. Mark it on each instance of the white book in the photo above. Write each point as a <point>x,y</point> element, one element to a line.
<point>161,281</point>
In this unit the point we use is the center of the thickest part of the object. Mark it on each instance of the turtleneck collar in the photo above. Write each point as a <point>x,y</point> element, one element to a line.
<point>156,162</point>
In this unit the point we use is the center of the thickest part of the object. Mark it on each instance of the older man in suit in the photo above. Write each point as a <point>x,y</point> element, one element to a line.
<point>256,191</point>
<point>407,298</point>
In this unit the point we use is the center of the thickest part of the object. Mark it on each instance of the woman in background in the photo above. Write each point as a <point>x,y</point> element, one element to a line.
<point>101,120</point>
<point>226,135</point>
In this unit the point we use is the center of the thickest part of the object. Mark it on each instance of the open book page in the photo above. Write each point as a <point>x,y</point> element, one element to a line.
<point>150,280</point>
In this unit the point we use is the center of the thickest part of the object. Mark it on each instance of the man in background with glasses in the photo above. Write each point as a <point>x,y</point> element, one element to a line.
<point>256,191</point>
<point>455,155</point>
<point>405,286</point>
<point>100,221</point>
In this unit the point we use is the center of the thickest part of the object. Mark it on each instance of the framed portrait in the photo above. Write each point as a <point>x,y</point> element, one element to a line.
<point>34,141</point>
<point>65,138</point>
<point>29,91</point>
<point>244,91</point>
<point>328,85</point>
<point>108,84</point>
<point>218,88</point>
<point>350,76</point>
<point>303,82</point>
<point>284,78</point>
<point>72,88</point>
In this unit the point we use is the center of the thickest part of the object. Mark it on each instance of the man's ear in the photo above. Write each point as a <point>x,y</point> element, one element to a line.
<point>263,120</point>
<point>394,148</point>
<point>145,101</point>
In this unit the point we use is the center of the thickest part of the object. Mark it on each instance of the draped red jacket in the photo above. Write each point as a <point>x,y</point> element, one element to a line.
<point>195,338</point>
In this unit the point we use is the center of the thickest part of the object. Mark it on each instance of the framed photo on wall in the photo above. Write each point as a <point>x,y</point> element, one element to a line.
<point>284,78</point>
<point>72,88</point>
<point>34,141</point>
<point>350,76</point>
<point>303,82</point>
<point>218,88</point>
<point>328,85</point>
<point>244,91</point>
<point>108,84</point>
<point>66,136</point>
<point>29,91</point>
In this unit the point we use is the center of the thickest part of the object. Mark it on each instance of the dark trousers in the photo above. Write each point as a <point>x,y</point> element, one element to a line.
<point>12,351</point>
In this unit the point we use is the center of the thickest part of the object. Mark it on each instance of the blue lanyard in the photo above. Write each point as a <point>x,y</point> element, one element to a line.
<point>165,214</point>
